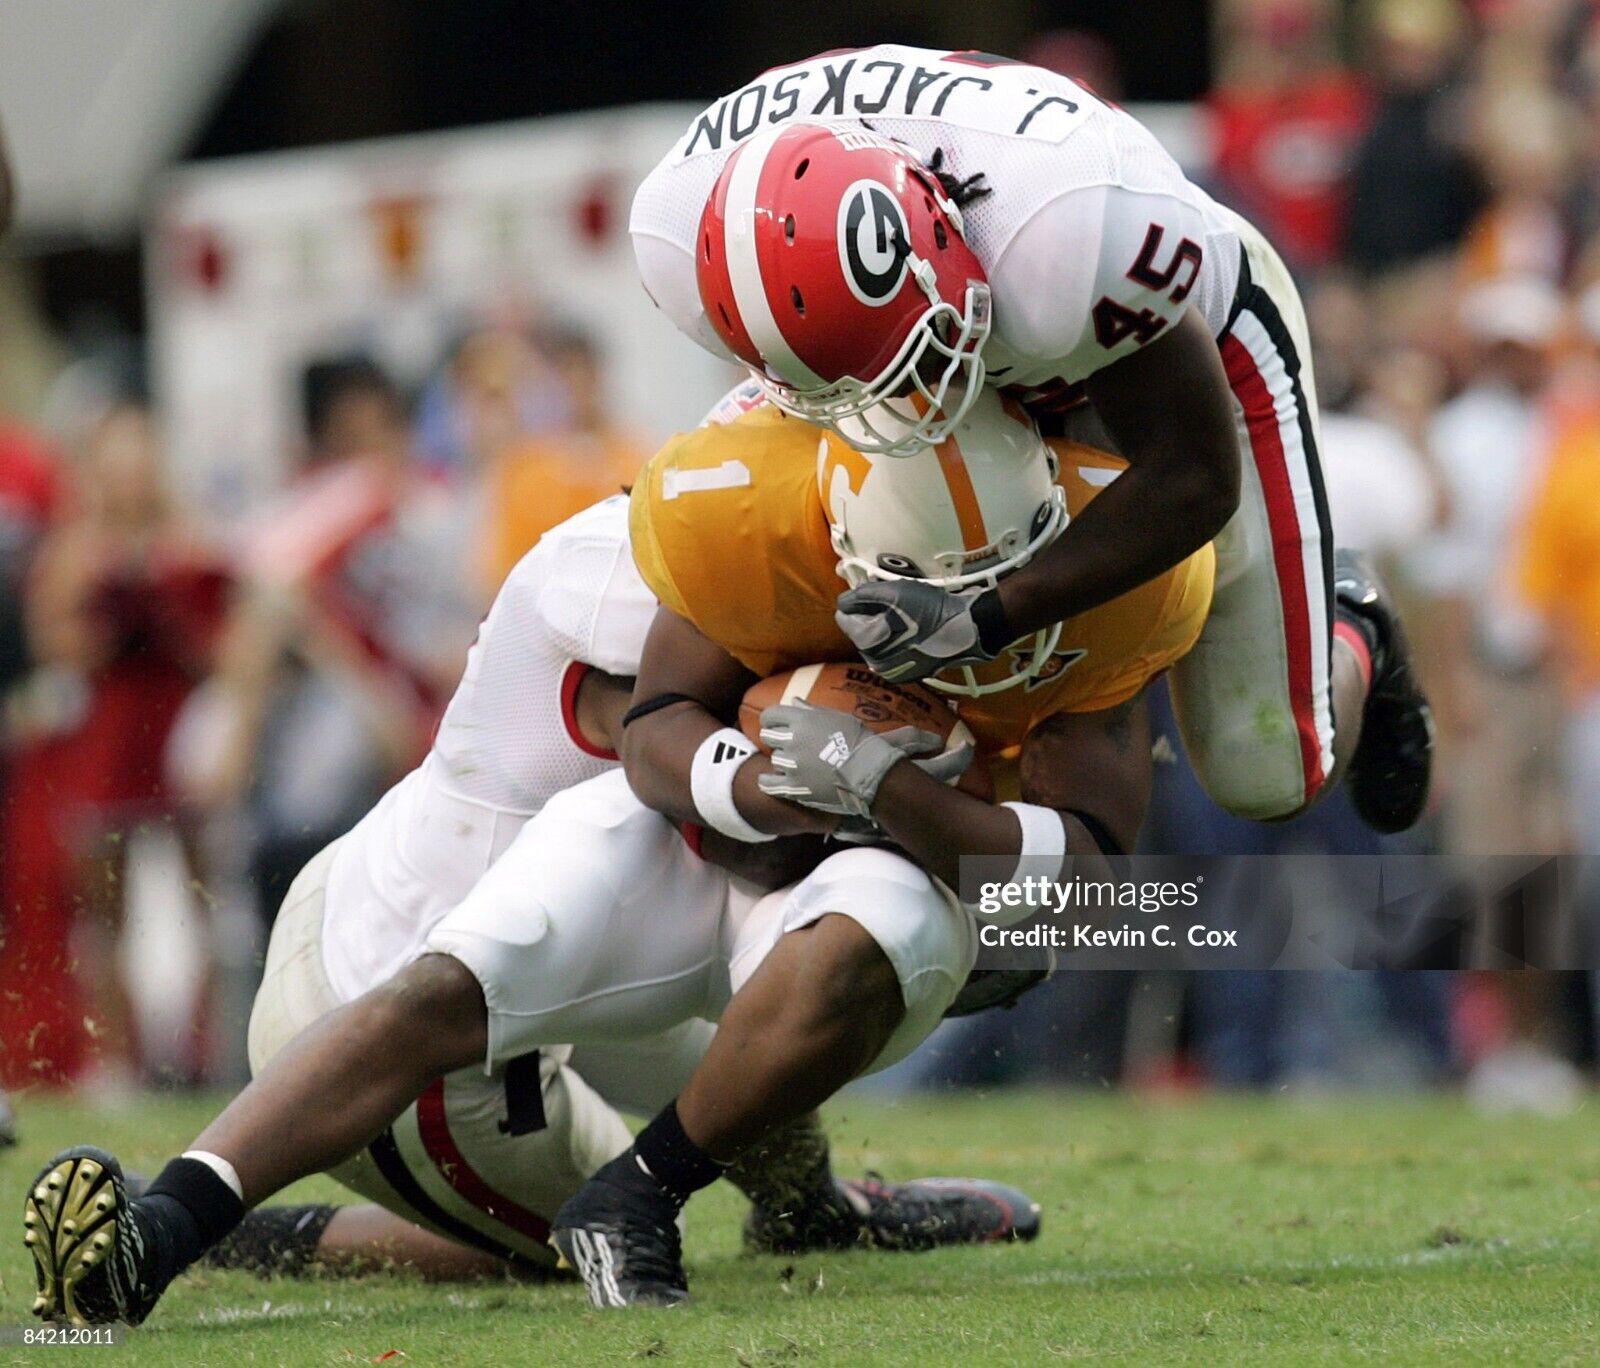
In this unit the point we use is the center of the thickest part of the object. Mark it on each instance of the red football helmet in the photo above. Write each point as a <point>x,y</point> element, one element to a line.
<point>832,263</point>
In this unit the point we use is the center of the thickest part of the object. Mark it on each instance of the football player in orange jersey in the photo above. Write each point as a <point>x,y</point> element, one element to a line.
<point>744,532</point>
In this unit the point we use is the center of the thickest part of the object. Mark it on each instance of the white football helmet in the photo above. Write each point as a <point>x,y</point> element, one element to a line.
<point>969,511</point>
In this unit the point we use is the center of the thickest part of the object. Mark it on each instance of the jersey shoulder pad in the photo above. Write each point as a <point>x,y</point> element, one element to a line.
<point>581,583</point>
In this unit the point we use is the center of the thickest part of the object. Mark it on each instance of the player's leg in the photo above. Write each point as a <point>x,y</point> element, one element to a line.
<point>844,973</point>
<point>461,1185</point>
<point>465,1179</point>
<point>599,923</point>
<point>1299,639</point>
<point>292,1241</point>
<point>544,937</point>
<point>329,1077</point>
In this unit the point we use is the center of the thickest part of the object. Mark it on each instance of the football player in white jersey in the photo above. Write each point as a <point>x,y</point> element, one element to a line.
<point>876,234</point>
<point>368,1052</point>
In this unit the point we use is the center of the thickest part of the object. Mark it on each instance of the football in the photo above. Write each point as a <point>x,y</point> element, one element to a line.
<point>856,690</point>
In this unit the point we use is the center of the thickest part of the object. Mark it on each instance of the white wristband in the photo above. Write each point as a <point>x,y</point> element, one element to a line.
<point>711,784</point>
<point>1044,840</point>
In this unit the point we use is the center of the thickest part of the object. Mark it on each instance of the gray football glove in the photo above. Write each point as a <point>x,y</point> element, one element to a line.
<point>831,762</point>
<point>908,630</point>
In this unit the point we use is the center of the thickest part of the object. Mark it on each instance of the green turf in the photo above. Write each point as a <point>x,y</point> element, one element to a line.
<point>1175,1232</point>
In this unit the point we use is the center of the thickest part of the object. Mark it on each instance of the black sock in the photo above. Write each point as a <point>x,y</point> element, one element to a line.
<point>669,1156</point>
<point>185,1211</point>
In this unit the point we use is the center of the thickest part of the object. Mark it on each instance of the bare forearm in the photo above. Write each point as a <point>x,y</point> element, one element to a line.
<point>1170,411</point>
<point>938,826</point>
<point>1141,526</point>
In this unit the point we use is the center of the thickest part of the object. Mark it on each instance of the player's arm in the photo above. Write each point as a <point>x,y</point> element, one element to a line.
<point>1085,777</point>
<point>1170,410</point>
<point>1085,786</point>
<point>687,686</point>
<point>1125,314</point>
<point>1121,312</point>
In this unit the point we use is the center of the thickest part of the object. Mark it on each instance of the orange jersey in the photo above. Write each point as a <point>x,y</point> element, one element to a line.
<point>730,532</point>
<point>1557,566</point>
<point>540,483</point>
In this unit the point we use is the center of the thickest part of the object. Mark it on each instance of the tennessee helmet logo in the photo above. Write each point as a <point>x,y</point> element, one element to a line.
<point>874,241</point>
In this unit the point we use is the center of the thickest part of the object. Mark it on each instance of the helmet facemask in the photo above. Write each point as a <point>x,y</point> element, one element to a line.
<point>883,417</point>
<point>893,520</point>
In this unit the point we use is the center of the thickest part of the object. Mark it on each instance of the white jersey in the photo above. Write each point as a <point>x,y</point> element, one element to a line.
<point>507,744</point>
<point>1093,239</point>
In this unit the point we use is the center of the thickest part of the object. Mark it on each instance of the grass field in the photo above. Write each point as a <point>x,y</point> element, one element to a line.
<point>1195,1231</point>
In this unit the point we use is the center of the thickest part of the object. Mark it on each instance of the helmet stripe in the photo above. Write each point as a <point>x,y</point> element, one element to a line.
<point>716,290</point>
<point>958,479</point>
<point>744,269</point>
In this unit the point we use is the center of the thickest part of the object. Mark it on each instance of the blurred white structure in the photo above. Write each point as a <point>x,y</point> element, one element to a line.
<point>392,247</point>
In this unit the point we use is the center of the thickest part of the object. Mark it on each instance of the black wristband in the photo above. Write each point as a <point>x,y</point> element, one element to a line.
<point>656,704</point>
<point>989,616</point>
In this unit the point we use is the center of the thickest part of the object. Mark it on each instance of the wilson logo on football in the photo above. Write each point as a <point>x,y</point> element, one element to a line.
<point>874,241</point>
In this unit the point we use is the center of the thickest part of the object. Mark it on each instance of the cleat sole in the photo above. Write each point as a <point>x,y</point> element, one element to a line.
<point>64,1229</point>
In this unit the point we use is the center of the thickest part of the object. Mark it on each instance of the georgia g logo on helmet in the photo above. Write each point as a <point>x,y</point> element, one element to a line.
<point>830,261</point>
<point>874,242</point>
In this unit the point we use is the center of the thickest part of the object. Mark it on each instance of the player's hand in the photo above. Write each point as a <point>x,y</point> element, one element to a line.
<point>907,630</point>
<point>831,762</point>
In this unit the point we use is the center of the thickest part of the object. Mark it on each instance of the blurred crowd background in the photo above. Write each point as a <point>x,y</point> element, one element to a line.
<point>201,687</point>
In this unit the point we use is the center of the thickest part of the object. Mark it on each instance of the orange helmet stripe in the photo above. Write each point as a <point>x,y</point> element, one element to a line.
<point>974,536</point>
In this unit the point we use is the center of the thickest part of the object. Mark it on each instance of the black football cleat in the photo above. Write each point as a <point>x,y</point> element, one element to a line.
<point>832,1219</point>
<point>1392,768</point>
<point>619,1233</point>
<point>273,1241</point>
<point>988,989</point>
<point>88,1250</point>
<point>924,1213</point>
